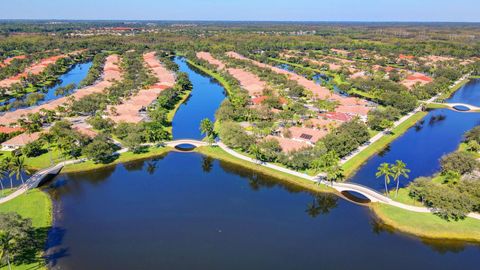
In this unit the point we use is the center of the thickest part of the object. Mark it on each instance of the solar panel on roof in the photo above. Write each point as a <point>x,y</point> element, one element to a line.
<point>306,136</point>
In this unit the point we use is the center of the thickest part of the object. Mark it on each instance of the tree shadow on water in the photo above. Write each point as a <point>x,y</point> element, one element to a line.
<point>53,249</point>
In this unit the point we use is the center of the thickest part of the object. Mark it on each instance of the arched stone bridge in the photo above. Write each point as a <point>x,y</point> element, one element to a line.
<point>372,195</point>
<point>452,106</point>
<point>192,142</point>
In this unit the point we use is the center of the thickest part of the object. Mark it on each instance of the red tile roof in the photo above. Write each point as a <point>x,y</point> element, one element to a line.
<point>338,116</point>
<point>9,130</point>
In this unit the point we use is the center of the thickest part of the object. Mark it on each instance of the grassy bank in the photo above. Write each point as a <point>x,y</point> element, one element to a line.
<point>427,225</point>
<point>354,164</point>
<point>447,94</point>
<point>37,206</point>
<point>171,113</point>
<point>122,158</point>
<point>218,153</point>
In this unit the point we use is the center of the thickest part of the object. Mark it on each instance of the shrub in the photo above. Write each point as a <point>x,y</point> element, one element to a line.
<point>459,162</point>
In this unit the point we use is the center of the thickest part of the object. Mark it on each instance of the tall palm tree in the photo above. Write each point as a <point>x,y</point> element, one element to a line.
<point>7,164</point>
<point>385,170</point>
<point>398,170</point>
<point>18,167</point>
<point>3,173</point>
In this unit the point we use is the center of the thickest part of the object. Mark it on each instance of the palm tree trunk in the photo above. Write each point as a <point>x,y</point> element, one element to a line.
<point>11,182</point>
<point>398,185</point>
<point>1,184</point>
<point>386,188</point>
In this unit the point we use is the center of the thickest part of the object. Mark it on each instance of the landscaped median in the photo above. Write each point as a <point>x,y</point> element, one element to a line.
<point>218,153</point>
<point>352,165</point>
<point>122,158</point>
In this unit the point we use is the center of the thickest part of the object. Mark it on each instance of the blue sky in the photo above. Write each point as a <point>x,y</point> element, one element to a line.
<point>264,10</point>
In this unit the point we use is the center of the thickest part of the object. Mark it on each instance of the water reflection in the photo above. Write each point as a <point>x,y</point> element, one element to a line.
<point>321,204</point>
<point>203,214</point>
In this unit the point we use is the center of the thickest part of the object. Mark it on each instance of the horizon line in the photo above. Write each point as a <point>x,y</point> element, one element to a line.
<point>220,20</point>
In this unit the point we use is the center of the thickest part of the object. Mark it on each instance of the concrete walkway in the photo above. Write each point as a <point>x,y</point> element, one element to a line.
<point>369,193</point>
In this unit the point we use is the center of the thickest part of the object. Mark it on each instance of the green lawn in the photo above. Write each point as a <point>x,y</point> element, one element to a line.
<point>37,206</point>
<point>436,106</point>
<point>354,164</point>
<point>218,153</point>
<point>40,162</point>
<point>428,225</point>
<point>124,157</point>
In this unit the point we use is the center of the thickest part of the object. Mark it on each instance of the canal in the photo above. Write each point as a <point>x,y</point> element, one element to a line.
<point>188,211</point>
<point>74,75</point>
<point>206,96</point>
<point>422,146</point>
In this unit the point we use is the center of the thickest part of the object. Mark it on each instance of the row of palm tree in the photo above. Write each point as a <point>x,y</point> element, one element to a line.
<point>394,171</point>
<point>12,168</point>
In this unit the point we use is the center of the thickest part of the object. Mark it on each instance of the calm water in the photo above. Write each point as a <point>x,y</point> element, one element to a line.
<point>469,94</point>
<point>206,97</point>
<point>188,211</point>
<point>422,146</point>
<point>158,215</point>
<point>75,75</point>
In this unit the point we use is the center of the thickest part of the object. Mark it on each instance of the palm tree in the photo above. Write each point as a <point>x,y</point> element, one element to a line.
<point>3,173</point>
<point>49,139</point>
<point>7,163</point>
<point>206,127</point>
<point>18,167</point>
<point>5,244</point>
<point>385,170</point>
<point>398,170</point>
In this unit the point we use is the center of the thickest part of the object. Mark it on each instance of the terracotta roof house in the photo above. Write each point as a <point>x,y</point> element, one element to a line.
<point>8,130</point>
<point>289,145</point>
<point>308,135</point>
<point>85,131</point>
<point>416,78</point>
<point>405,57</point>
<point>337,116</point>
<point>20,140</point>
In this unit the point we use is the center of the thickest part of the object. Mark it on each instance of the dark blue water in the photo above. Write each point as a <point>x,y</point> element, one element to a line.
<point>157,214</point>
<point>205,98</point>
<point>75,75</point>
<point>469,94</point>
<point>422,146</point>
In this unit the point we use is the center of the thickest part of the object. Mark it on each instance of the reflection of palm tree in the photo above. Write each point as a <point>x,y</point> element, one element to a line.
<point>254,182</point>
<point>312,209</point>
<point>151,167</point>
<point>322,204</point>
<point>207,164</point>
